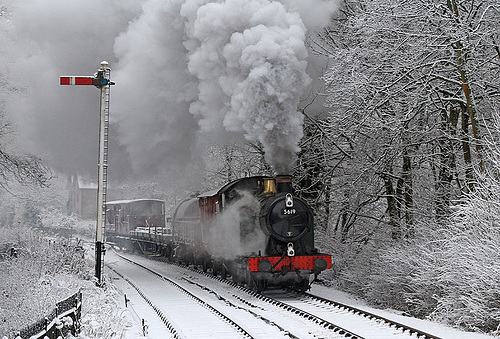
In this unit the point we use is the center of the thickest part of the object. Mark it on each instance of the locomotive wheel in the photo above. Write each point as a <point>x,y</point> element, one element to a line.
<point>256,285</point>
<point>302,286</point>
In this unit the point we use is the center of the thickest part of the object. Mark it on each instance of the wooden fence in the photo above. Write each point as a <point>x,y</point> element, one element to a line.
<point>64,318</point>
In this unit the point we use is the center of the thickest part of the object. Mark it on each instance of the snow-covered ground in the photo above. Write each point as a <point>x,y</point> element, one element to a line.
<point>138,309</point>
<point>192,319</point>
<point>105,314</point>
<point>431,327</point>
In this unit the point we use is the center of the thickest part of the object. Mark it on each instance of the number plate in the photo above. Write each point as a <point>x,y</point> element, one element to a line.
<point>289,211</point>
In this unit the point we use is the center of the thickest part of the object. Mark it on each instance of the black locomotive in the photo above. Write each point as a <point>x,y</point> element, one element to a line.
<point>253,229</point>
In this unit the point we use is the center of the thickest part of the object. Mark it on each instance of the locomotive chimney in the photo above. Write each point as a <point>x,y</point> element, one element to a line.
<point>284,183</point>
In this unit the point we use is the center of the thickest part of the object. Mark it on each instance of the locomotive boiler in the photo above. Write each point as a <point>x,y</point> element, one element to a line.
<point>252,228</point>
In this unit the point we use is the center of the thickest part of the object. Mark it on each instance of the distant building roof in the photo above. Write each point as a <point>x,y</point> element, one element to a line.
<point>86,184</point>
<point>117,202</point>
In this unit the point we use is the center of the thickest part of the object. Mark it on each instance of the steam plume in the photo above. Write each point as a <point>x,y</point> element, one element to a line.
<point>239,66</point>
<point>222,68</point>
<point>250,60</point>
<point>235,240</point>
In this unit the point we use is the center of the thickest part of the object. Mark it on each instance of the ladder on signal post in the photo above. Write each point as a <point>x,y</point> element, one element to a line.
<point>102,187</point>
<point>101,81</point>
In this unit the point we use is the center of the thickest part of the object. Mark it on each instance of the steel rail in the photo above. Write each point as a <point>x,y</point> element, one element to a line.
<point>192,296</point>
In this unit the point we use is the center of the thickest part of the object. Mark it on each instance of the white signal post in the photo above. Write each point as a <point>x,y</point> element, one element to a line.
<point>101,81</point>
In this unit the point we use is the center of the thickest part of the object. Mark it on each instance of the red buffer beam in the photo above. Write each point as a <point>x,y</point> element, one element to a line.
<point>76,80</point>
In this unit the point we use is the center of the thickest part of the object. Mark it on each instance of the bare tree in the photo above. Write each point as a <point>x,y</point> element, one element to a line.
<point>25,169</point>
<point>230,162</point>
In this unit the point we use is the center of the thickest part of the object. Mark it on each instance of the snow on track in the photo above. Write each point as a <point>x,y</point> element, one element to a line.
<point>363,326</point>
<point>258,318</point>
<point>188,317</point>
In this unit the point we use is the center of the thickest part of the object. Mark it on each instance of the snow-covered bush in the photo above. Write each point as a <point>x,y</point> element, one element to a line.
<point>54,218</point>
<point>404,275</point>
<point>470,274</point>
<point>45,272</point>
<point>41,273</point>
<point>102,315</point>
<point>448,273</point>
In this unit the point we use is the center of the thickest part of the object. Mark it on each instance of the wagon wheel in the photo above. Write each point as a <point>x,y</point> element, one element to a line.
<point>237,279</point>
<point>213,265</point>
<point>223,271</point>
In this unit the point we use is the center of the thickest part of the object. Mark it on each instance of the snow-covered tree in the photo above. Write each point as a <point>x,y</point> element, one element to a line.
<point>24,168</point>
<point>470,251</point>
<point>408,85</point>
<point>412,89</point>
<point>231,162</point>
<point>450,273</point>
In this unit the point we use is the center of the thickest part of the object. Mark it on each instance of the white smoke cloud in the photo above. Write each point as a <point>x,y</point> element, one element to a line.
<point>50,38</point>
<point>250,59</point>
<point>314,14</point>
<point>238,66</point>
<point>230,237</point>
<point>154,88</point>
<point>221,69</point>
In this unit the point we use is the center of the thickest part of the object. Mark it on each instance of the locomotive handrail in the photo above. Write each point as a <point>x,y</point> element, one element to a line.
<point>277,263</point>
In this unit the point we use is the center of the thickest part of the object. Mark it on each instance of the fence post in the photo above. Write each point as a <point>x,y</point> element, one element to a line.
<point>144,328</point>
<point>78,311</point>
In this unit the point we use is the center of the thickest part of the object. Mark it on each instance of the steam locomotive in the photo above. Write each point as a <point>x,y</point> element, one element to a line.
<point>253,229</point>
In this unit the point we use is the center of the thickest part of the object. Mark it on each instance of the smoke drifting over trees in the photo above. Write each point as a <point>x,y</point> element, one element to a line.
<point>223,70</point>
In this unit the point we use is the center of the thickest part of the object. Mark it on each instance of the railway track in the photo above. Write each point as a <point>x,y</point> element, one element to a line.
<point>375,325</point>
<point>369,325</point>
<point>261,303</point>
<point>160,314</point>
<point>291,314</point>
<point>325,312</point>
<point>367,315</point>
<point>250,316</point>
<point>169,312</point>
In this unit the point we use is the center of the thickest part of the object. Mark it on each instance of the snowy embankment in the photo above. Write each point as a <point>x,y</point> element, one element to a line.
<point>41,271</point>
<point>330,293</point>
<point>47,270</point>
<point>432,327</point>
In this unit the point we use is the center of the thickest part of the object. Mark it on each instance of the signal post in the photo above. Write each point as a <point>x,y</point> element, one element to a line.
<point>101,81</point>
